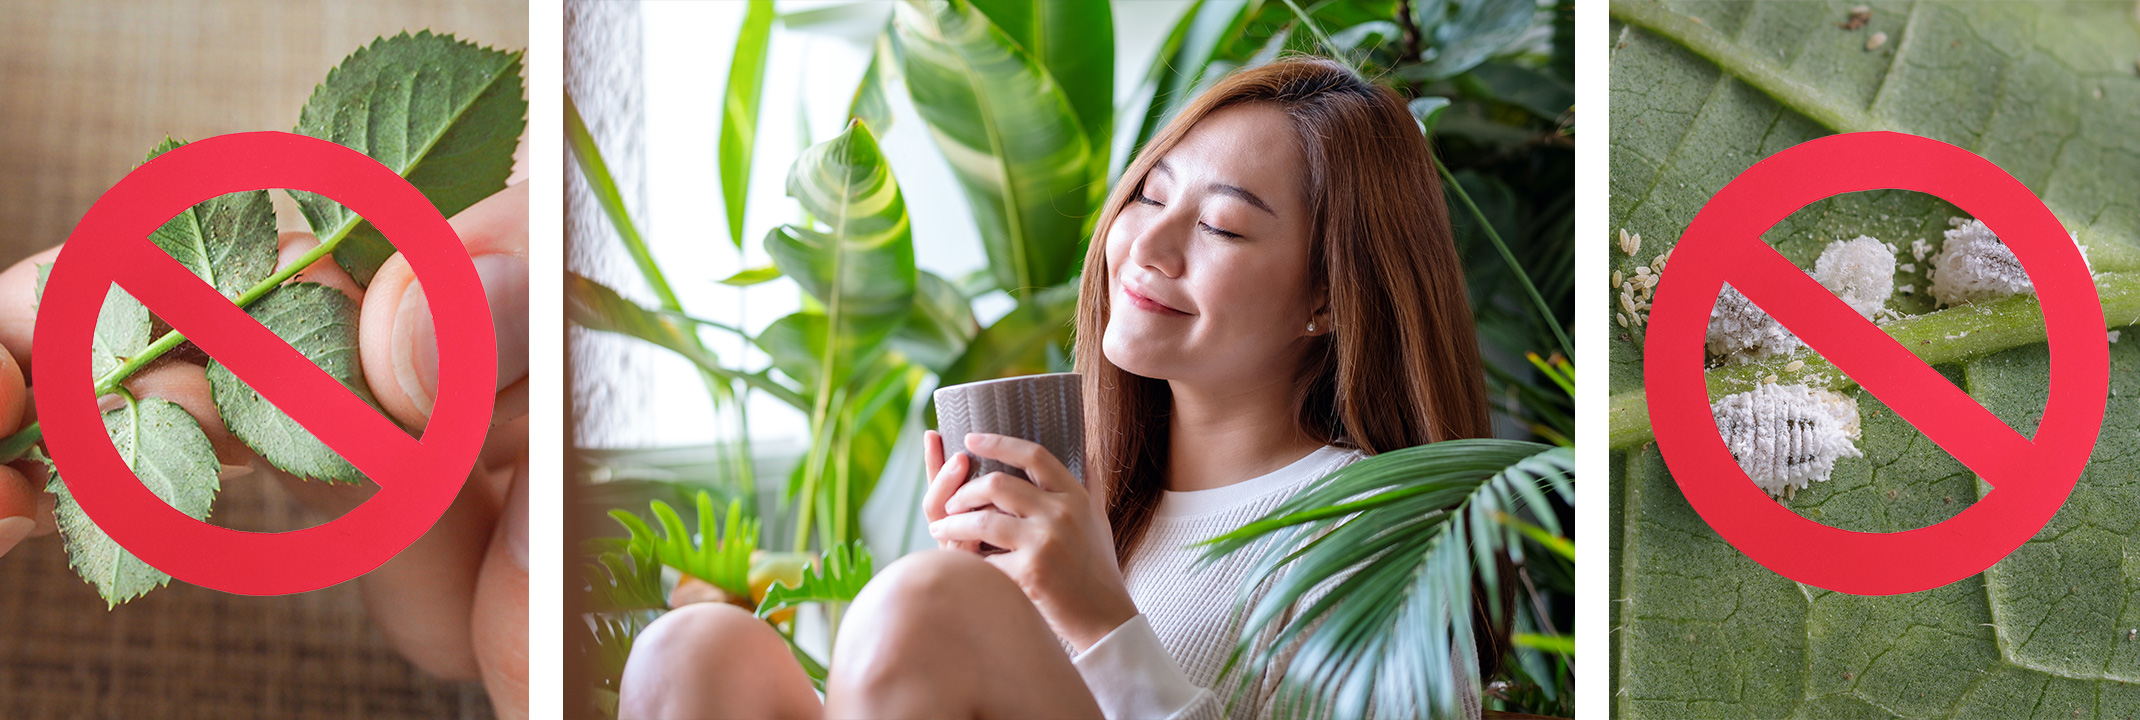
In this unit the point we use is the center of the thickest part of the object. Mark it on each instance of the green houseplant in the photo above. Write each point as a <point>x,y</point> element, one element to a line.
<point>1032,120</point>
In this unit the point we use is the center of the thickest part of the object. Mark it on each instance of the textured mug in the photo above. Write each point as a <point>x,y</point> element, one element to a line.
<point>1047,409</point>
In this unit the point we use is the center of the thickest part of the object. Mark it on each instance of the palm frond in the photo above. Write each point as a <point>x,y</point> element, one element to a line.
<point>1382,557</point>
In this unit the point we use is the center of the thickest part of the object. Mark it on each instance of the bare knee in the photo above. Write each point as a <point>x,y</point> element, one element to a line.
<point>710,659</point>
<point>917,615</point>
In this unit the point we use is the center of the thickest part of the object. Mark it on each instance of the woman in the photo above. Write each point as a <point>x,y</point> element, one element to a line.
<point>1272,293</point>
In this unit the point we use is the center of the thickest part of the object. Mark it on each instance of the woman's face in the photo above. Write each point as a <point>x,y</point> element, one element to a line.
<point>1208,276</point>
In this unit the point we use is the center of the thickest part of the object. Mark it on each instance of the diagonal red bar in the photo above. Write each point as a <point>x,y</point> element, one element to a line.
<point>364,437</point>
<point>1881,365</point>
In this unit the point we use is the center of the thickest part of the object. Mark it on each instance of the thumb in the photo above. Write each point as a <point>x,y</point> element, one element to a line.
<point>398,339</point>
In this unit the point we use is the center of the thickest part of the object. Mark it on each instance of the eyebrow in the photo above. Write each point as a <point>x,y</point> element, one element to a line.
<point>1222,188</point>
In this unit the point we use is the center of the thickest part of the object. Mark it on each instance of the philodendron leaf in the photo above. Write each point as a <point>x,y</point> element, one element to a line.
<point>321,323</point>
<point>442,112</point>
<point>1011,134</point>
<point>172,457</point>
<point>1702,91</point>
<point>837,579</point>
<point>228,241</point>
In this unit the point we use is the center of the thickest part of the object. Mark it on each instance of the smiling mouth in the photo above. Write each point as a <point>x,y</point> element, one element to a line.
<point>1148,304</point>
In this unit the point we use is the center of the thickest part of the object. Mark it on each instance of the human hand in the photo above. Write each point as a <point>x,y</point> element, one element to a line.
<point>945,477</point>
<point>455,601</point>
<point>1055,538</point>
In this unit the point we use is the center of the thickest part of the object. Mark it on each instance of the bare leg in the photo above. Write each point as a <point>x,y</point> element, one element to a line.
<point>944,634</point>
<point>713,660</point>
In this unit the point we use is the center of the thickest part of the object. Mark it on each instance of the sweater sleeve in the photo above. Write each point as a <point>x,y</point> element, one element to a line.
<point>1132,676</point>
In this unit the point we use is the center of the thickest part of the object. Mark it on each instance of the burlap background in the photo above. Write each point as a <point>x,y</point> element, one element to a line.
<point>86,88</point>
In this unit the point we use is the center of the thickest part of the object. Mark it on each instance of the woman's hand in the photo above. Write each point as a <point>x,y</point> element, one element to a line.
<point>1057,544</point>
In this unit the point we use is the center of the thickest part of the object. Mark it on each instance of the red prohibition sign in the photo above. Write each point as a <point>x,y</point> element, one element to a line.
<point>2030,476</point>
<point>418,478</point>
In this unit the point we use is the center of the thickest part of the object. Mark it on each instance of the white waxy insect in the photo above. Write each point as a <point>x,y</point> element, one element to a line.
<point>1740,331</point>
<point>1974,265</point>
<point>1788,436</point>
<point>1878,39</point>
<point>1860,271</point>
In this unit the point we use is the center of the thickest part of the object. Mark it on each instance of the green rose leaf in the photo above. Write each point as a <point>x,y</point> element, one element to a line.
<point>228,241</point>
<point>442,112</point>
<point>170,455</point>
<point>321,323</point>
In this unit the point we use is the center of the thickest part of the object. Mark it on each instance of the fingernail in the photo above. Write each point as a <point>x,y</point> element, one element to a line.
<point>13,530</point>
<point>415,348</point>
<point>516,520</point>
<point>415,342</point>
<point>505,285</point>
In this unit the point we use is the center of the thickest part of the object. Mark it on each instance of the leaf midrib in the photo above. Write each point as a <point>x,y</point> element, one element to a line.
<point>350,219</point>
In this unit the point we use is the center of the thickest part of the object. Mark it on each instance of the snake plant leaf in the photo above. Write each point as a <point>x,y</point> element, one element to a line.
<point>1011,135</point>
<point>321,323</point>
<point>595,306</point>
<point>1388,547</point>
<point>739,112</point>
<point>170,455</point>
<point>860,268</point>
<point>1075,43</point>
<point>838,578</point>
<point>443,113</point>
<point>1700,92</point>
<point>229,241</point>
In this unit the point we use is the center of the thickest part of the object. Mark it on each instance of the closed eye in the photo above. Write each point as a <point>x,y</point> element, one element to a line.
<point>1221,233</point>
<point>1143,200</point>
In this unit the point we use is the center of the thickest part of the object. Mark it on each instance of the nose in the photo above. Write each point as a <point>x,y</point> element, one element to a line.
<point>1161,245</point>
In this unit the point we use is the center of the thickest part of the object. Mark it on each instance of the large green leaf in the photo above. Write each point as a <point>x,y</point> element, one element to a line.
<point>228,240</point>
<point>1179,68</point>
<point>940,327</point>
<point>860,268</point>
<point>1018,343</point>
<point>171,456</point>
<point>321,323</point>
<point>594,306</point>
<point>739,114</point>
<point>443,113</point>
<point>1011,135</point>
<point>1701,91</point>
<point>1075,43</point>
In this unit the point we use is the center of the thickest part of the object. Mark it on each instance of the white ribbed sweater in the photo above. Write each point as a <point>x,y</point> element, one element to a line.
<point>1165,662</point>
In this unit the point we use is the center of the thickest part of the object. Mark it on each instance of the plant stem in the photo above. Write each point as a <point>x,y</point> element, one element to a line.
<point>13,446</point>
<point>1953,335</point>
<point>1538,301</point>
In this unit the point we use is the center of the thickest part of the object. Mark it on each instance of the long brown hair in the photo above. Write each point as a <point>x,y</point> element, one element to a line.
<point>1401,368</point>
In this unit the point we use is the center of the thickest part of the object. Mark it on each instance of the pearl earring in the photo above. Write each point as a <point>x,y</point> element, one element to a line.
<point>1311,326</point>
